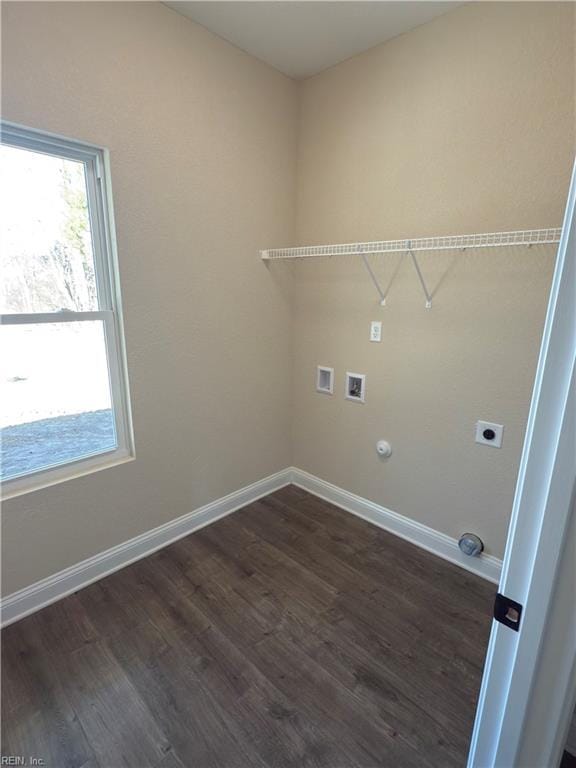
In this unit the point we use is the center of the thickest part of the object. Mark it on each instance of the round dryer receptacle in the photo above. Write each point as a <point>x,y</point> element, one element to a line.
<point>470,544</point>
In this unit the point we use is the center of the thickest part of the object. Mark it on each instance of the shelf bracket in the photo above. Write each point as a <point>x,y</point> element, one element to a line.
<point>420,276</point>
<point>374,279</point>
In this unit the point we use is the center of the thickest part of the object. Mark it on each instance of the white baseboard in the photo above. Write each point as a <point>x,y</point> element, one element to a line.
<point>49,590</point>
<point>486,566</point>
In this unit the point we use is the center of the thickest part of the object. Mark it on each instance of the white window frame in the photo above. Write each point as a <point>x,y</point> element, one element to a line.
<point>99,192</point>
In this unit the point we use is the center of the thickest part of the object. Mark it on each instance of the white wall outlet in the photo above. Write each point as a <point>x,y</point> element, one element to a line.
<point>376,330</point>
<point>355,387</point>
<point>490,434</point>
<point>325,380</point>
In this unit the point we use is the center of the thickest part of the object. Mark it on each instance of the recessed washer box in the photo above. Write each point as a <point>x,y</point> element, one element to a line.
<point>488,433</point>
<point>325,380</point>
<point>355,386</point>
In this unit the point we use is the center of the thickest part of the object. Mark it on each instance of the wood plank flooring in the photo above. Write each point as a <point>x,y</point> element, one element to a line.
<point>288,635</point>
<point>568,760</point>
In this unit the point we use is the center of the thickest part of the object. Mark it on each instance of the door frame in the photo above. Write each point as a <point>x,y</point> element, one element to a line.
<point>540,514</point>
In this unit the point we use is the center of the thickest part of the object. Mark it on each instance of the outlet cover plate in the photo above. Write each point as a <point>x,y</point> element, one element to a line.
<point>488,433</point>
<point>376,330</point>
<point>325,380</point>
<point>355,387</point>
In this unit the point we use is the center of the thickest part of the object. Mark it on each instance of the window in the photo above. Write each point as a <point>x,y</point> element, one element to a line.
<point>64,405</point>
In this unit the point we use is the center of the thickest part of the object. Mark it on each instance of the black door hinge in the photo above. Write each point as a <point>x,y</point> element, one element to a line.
<point>507,612</point>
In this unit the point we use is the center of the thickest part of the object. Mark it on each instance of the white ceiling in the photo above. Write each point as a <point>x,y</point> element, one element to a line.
<point>303,37</point>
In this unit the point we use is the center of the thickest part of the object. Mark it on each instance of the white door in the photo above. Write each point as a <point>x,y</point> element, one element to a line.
<point>541,510</point>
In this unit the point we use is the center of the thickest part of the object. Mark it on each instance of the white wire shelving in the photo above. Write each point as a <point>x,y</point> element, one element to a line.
<point>528,237</point>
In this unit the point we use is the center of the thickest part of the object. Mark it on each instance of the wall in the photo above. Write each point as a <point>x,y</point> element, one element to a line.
<point>463,125</point>
<point>202,141</point>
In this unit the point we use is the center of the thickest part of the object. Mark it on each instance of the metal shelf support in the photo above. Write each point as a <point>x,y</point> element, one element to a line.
<point>421,278</point>
<point>374,280</point>
<point>529,238</point>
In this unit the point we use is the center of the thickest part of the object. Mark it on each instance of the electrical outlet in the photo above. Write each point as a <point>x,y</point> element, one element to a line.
<point>490,434</point>
<point>376,330</point>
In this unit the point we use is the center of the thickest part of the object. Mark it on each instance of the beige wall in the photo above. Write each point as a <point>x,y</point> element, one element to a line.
<point>464,125</point>
<point>202,141</point>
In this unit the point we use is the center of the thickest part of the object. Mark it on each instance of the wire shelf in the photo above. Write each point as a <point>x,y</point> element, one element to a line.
<point>451,242</point>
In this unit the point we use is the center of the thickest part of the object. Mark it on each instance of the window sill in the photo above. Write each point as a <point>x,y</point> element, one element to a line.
<point>36,481</point>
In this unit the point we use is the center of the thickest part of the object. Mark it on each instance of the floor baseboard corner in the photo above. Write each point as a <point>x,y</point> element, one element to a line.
<point>440,544</point>
<point>46,591</point>
<point>42,593</point>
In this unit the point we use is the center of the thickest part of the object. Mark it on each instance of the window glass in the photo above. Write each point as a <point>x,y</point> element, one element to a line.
<point>64,400</point>
<point>46,261</point>
<point>55,395</point>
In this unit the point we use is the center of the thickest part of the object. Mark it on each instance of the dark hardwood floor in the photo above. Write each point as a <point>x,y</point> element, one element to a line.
<point>290,634</point>
<point>568,760</point>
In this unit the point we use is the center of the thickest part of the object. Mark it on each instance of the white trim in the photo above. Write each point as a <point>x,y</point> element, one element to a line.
<point>62,316</point>
<point>41,594</point>
<point>347,395</point>
<point>119,377</point>
<point>329,390</point>
<point>540,514</point>
<point>96,163</point>
<point>49,590</point>
<point>486,566</point>
<point>47,143</point>
<point>61,473</point>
